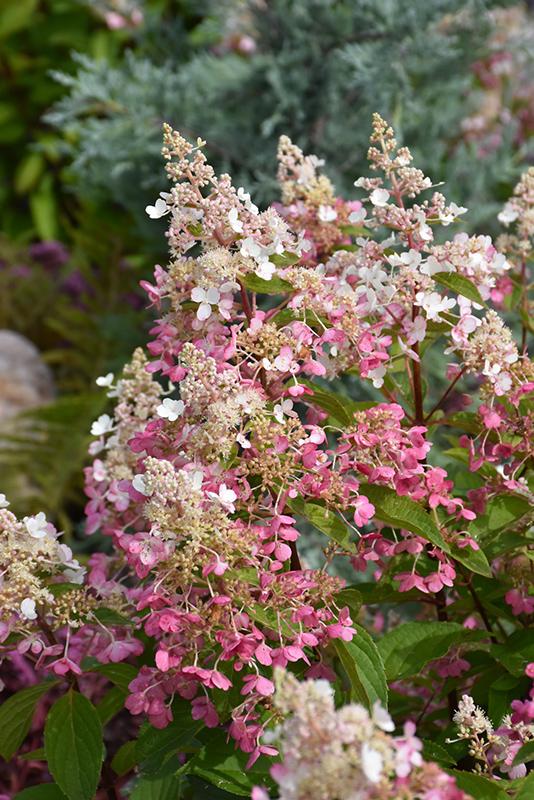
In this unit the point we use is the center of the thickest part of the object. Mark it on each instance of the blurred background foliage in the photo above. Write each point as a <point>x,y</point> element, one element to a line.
<point>85,86</point>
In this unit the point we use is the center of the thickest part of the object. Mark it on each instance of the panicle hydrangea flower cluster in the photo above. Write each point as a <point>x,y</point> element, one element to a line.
<point>347,753</point>
<point>495,749</point>
<point>203,500</point>
<point>224,441</point>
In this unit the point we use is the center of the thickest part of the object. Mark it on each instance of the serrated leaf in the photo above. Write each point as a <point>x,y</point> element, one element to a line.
<point>459,284</point>
<point>226,768</point>
<point>119,674</point>
<point>273,286</point>
<point>432,751</point>
<point>407,648</point>
<point>46,791</point>
<point>16,715</point>
<point>155,747</point>
<point>73,745</point>
<point>125,758</point>
<point>477,786</point>
<point>363,664</point>
<point>526,788</point>
<point>285,259</point>
<point>525,754</point>
<point>401,512</point>
<point>167,788</point>
<point>474,560</point>
<point>338,406</point>
<point>111,704</point>
<point>325,520</point>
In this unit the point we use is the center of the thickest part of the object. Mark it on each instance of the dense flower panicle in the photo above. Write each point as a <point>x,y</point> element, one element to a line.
<point>495,750</point>
<point>202,501</point>
<point>331,753</point>
<point>205,482</point>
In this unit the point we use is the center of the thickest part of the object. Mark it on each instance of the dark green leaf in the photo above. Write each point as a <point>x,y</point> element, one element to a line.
<point>401,512</point>
<point>261,286</point>
<point>284,259</point>
<point>474,560</point>
<point>226,768</point>
<point>46,791</point>
<point>325,520</point>
<point>477,786</point>
<point>525,754</point>
<point>111,704</point>
<point>16,715</point>
<point>407,648</point>
<point>362,662</point>
<point>156,747</point>
<point>119,674</point>
<point>432,751</point>
<point>73,745</point>
<point>125,758</point>
<point>526,788</point>
<point>459,284</point>
<point>167,788</point>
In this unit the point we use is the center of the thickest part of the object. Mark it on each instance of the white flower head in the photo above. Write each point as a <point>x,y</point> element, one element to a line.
<point>27,608</point>
<point>206,298</point>
<point>381,718</point>
<point>36,526</point>
<point>160,207</point>
<point>379,197</point>
<point>235,223</point>
<point>372,763</point>
<point>450,213</point>
<point>434,303</point>
<point>225,496</point>
<point>327,213</point>
<point>139,485</point>
<point>105,380</point>
<point>101,426</point>
<point>508,214</point>
<point>4,502</point>
<point>357,216</point>
<point>247,202</point>
<point>170,409</point>
<point>283,409</point>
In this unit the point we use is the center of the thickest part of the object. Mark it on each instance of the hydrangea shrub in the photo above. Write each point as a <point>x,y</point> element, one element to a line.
<point>285,389</point>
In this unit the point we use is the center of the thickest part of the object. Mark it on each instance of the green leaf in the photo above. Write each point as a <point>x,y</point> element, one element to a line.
<point>459,284</point>
<point>110,617</point>
<point>226,768</point>
<point>407,648</point>
<point>119,674</point>
<point>432,751</point>
<point>351,597</point>
<point>525,754</point>
<point>16,16</point>
<point>259,285</point>
<point>73,745</point>
<point>325,520</point>
<point>526,788</point>
<point>167,788</point>
<point>125,758</point>
<point>34,755</point>
<point>474,560</point>
<point>477,786</point>
<point>155,747</point>
<point>339,407</point>
<point>501,512</point>
<point>16,715</point>
<point>111,704</point>
<point>46,791</point>
<point>401,512</point>
<point>284,259</point>
<point>362,663</point>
